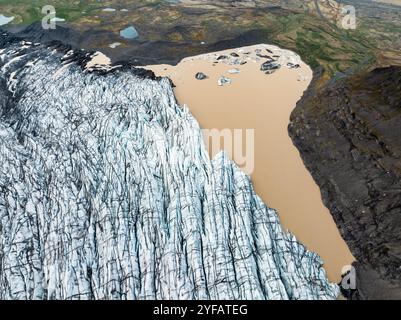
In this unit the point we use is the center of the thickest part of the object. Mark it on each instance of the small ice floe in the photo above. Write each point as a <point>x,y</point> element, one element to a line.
<point>109,10</point>
<point>234,71</point>
<point>114,45</point>
<point>223,80</point>
<point>270,67</point>
<point>129,33</point>
<point>235,61</point>
<point>201,76</point>
<point>5,20</point>
<point>222,57</point>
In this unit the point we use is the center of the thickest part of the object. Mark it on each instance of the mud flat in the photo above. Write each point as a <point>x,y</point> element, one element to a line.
<point>252,99</point>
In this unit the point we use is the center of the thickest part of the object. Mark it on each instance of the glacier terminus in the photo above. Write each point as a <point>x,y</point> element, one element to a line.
<point>107,192</point>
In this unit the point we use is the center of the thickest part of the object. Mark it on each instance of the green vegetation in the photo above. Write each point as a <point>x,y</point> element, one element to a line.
<point>319,42</point>
<point>27,12</point>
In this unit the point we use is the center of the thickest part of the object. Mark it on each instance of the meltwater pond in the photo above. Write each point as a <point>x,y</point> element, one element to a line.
<point>129,33</point>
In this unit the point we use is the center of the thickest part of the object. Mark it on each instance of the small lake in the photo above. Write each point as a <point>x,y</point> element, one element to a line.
<point>129,33</point>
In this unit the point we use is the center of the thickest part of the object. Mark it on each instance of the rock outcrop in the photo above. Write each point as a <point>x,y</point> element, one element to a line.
<point>348,134</point>
<point>107,192</point>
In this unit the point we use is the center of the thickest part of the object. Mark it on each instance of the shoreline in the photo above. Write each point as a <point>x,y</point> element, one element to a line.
<point>264,103</point>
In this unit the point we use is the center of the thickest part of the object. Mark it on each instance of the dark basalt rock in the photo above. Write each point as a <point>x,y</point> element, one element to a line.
<point>222,57</point>
<point>293,66</point>
<point>348,134</point>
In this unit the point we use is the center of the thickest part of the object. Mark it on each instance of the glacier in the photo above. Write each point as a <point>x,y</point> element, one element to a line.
<point>107,192</point>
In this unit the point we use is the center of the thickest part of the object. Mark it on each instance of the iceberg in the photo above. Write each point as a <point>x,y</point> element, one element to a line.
<point>107,192</point>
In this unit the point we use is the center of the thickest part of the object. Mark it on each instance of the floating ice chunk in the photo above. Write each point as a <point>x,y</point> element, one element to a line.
<point>223,80</point>
<point>234,71</point>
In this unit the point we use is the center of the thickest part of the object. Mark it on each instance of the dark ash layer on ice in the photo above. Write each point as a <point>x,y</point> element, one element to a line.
<point>348,134</point>
<point>107,192</point>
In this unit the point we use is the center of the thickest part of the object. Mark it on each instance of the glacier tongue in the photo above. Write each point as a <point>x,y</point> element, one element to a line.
<point>107,192</point>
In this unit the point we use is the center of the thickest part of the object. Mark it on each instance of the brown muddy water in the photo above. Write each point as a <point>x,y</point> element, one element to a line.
<point>254,100</point>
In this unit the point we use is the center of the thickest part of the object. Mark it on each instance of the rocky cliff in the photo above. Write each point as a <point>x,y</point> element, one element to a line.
<point>107,192</point>
<point>348,134</point>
